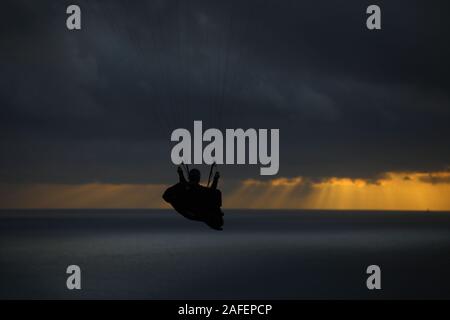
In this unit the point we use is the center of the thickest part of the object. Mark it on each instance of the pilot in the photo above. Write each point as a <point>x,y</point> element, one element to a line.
<point>194,179</point>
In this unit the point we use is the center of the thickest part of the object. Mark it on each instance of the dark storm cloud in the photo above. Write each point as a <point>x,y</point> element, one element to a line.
<point>99,104</point>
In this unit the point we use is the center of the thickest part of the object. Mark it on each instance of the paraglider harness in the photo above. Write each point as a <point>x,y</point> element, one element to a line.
<point>201,204</point>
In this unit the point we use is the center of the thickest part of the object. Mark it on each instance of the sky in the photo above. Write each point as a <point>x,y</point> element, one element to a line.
<point>86,116</point>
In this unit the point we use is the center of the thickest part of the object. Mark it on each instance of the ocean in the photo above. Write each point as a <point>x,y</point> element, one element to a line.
<point>157,254</point>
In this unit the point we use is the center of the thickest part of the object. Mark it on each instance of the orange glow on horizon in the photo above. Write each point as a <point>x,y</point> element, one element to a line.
<point>92,195</point>
<point>394,191</point>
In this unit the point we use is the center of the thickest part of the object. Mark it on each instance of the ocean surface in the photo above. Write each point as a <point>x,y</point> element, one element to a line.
<point>157,254</point>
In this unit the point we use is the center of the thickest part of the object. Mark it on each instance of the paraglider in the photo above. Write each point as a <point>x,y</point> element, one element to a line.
<point>179,83</point>
<point>194,201</point>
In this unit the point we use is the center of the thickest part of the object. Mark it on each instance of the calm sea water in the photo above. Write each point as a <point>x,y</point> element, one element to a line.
<point>151,254</point>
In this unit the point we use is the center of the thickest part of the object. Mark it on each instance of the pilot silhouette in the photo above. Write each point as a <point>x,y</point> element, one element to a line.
<point>194,201</point>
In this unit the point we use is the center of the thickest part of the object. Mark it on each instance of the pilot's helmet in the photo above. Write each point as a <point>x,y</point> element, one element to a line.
<point>194,176</point>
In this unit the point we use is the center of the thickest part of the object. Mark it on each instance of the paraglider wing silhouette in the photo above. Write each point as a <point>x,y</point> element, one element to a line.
<point>196,203</point>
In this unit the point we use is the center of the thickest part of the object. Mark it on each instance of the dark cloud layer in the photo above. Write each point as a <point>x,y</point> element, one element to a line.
<point>99,104</point>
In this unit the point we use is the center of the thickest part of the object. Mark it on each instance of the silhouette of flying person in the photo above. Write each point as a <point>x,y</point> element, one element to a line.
<point>194,201</point>
<point>194,179</point>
